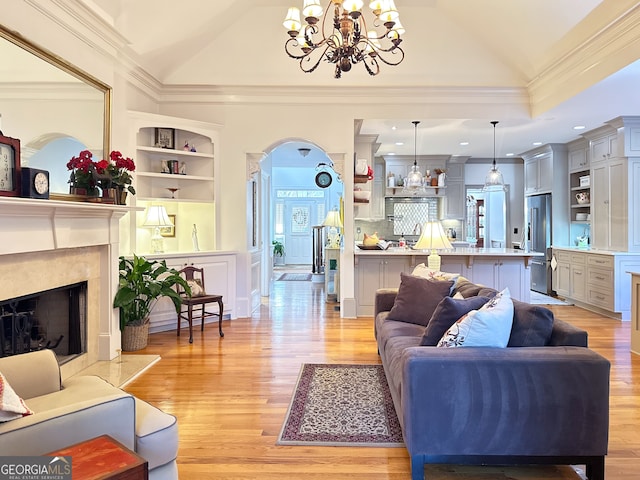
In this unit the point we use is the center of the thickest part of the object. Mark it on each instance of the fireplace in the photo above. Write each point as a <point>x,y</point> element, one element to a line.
<point>47,245</point>
<point>54,319</point>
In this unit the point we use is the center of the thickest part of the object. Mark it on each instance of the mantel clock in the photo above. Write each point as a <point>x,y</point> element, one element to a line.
<point>9,167</point>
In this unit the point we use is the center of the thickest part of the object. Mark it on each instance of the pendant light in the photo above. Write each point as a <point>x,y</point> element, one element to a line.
<point>494,179</point>
<point>413,184</point>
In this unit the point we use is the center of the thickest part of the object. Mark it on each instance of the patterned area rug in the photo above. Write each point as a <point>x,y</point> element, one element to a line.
<point>341,405</point>
<point>294,277</point>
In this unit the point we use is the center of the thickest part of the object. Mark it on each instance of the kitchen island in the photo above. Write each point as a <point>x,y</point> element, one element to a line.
<point>494,267</point>
<point>594,279</point>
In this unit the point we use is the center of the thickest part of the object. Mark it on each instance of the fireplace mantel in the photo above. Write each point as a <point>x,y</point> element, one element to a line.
<point>46,243</point>
<point>28,225</point>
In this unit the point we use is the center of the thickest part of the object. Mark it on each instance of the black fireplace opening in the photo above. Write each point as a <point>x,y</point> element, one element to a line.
<point>52,319</point>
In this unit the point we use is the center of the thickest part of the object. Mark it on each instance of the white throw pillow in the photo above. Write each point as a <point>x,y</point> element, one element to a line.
<point>12,406</point>
<point>488,327</point>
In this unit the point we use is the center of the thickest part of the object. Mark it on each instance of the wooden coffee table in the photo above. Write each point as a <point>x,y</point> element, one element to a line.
<point>104,458</point>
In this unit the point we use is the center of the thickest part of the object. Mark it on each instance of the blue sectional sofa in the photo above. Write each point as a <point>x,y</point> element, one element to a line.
<point>541,404</point>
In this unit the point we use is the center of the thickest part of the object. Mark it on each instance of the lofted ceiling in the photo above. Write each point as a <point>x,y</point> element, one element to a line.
<point>557,55</point>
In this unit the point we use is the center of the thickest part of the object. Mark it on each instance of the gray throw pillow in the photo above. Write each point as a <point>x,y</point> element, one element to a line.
<point>532,325</point>
<point>467,289</point>
<point>448,311</point>
<point>417,299</point>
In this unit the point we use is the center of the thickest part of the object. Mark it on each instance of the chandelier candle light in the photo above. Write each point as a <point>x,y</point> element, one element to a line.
<point>346,39</point>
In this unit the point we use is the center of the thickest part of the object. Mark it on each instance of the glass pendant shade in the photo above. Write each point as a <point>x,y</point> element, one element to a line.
<point>414,179</point>
<point>413,184</point>
<point>494,179</point>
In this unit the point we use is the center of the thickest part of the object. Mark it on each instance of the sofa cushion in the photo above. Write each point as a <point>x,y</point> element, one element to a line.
<point>448,311</point>
<point>417,299</point>
<point>12,406</point>
<point>421,270</point>
<point>532,325</point>
<point>487,292</point>
<point>466,288</point>
<point>488,327</point>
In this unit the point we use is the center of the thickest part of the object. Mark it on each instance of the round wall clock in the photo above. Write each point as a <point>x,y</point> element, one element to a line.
<point>323,179</point>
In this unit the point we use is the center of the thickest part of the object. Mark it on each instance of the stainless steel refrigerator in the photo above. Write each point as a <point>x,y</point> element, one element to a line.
<point>538,222</point>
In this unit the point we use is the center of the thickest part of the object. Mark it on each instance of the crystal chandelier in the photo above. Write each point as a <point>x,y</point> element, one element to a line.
<point>344,40</point>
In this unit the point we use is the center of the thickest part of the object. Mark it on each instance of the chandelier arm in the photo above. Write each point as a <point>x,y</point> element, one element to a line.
<point>374,63</point>
<point>308,59</point>
<point>393,52</point>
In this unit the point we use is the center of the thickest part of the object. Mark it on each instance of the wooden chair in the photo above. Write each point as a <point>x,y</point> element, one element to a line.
<point>197,299</point>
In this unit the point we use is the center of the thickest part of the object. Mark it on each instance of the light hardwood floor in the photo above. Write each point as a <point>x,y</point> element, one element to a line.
<point>230,395</point>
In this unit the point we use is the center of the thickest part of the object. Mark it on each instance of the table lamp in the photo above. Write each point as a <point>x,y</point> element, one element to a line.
<point>157,218</point>
<point>433,238</point>
<point>335,224</point>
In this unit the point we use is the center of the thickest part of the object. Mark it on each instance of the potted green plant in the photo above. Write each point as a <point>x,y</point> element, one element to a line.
<point>141,283</point>
<point>278,250</point>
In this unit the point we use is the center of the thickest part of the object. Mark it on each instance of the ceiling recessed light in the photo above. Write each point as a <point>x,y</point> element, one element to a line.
<point>394,127</point>
<point>579,127</point>
<point>391,153</point>
<point>399,143</point>
<point>535,144</point>
<point>464,143</point>
<point>509,155</point>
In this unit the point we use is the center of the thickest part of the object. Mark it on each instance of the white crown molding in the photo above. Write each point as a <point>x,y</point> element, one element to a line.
<point>289,95</point>
<point>605,52</point>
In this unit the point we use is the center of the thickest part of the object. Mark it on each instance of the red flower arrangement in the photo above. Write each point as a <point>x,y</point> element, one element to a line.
<point>113,173</point>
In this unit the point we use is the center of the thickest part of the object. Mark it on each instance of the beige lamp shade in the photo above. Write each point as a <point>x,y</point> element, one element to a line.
<point>433,238</point>
<point>156,218</point>
<point>334,223</point>
<point>333,219</point>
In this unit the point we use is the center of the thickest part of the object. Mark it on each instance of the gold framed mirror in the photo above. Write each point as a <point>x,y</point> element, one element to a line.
<point>53,107</point>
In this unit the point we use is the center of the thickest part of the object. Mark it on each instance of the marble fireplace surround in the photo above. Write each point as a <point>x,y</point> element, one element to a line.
<point>46,244</point>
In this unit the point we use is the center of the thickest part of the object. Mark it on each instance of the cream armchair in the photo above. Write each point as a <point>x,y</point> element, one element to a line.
<point>81,408</point>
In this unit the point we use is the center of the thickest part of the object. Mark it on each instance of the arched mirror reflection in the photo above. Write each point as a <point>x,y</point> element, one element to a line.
<point>52,107</point>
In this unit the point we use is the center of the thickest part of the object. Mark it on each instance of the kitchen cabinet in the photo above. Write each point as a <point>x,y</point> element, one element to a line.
<point>538,174</point>
<point>455,192</point>
<point>609,199</point>
<point>374,273</point>
<point>604,146</point>
<point>578,152</point>
<point>499,274</point>
<point>219,278</point>
<point>597,281</point>
<point>546,171</point>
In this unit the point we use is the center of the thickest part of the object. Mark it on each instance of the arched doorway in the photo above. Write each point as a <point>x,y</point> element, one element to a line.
<point>289,202</point>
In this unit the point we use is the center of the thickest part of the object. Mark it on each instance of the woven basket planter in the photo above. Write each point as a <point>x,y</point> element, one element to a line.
<point>135,337</point>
